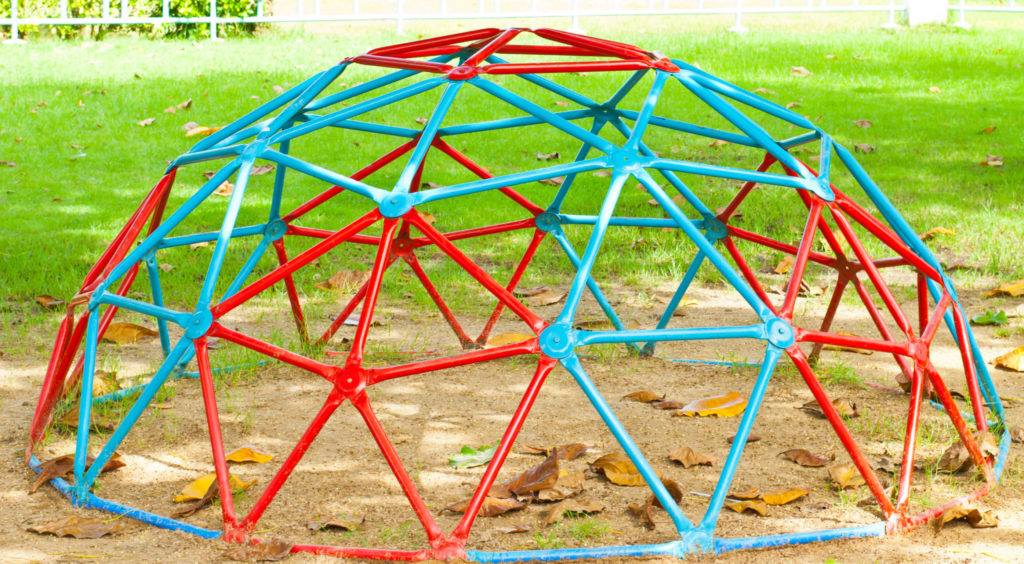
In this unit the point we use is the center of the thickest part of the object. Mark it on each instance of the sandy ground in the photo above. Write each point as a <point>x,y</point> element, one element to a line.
<point>429,417</point>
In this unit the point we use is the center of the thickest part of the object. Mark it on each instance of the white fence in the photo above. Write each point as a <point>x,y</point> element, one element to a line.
<point>402,11</point>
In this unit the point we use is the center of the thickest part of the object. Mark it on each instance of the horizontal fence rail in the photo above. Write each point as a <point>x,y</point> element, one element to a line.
<point>402,11</point>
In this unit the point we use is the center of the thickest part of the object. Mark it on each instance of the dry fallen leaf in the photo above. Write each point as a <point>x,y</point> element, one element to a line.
<point>1017,434</point>
<point>97,422</point>
<point>491,506</point>
<point>751,438</point>
<point>249,453</point>
<point>844,407</point>
<point>863,148</point>
<point>63,466</point>
<point>992,160</point>
<point>689,457</point>
<point>345,280</point>
<point>756,505</point>
<point>935,90</point>
<point>644,396</point>
<point>544,299</point>
<point>200,486</point>
<point>146,122</point>
<point>1014,289</point>
<point>185,105</point>
<point>564,452</point>
<point>618,469</point>
<point>547,156</point>
<point>335,523</point>
<point>669,404</point>
<point>785,265</point>
<point>764,91</point>
<point>502,339</point>
<point>170,110</point>
<point>575,505</point>
<point>556,181</point>
<point>936,231</point>
<point>199,245</point>
<point>845,476</point>
<point>568,485</point>
<point>862,123</point>
<point>124,333</point>
<point>727,405</point>
<point>269,551</point>
<point>987,130</point>
<point>540,477</point>
<point>799,71</point>
<point>262,169</point>
<point>201,130</point>
<point>783,496</point>
<point>977,518</point>
<point>957,458</point>
<point>78,527</point>
<point>604,173</point>
<point>561,103</point>
<point>803,457</point>
<point>225,189</point>
<point>48,301</point>
<point>718,143</point>
<point>277,88</point>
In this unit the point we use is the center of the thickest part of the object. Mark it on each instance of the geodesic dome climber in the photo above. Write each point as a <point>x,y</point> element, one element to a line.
<point>631,116</point>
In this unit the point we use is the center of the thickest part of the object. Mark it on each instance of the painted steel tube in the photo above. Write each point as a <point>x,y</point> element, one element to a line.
<point>767,541</point>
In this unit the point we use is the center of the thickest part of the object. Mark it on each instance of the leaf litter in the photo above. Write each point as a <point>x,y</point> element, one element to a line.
<point>78,527</point>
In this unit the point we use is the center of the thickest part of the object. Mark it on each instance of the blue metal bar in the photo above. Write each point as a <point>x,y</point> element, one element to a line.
<point>299,104</point>
<point>251,131</point>
<point>221,249</point>
<point>358,109</point>
<point>570,179</point>
<point>749,99</point>
<point>247,119</point>
<point>208,155</point>
<point>572,364</point>
<point>625,89</point>
<point>159,312</point>
<point>873,530</point>
<point>85,400</point>
<point>574,219</point>
<point>508,123</point>
<point>595,290</point>
<point>248,267</point>
<point>153,269</point>
<point>739,441</point>
<point>684,285</point>
<point>800,139</point>
<point>90,501</point>
<point>674,548</point>
<point>133,415</point>
<point>646,111</point>
<point>757,133</point>
<point>496,182</point>
<point>370,86</point>
<point>381,129</point>
<point>586,264</point>
<point>183,240</point>
<point>375,194</point>
<point>404,182</point>
<point>546,115</point>
<point>708,132</point>
<point>158,234</point>
<point>733,173</point>
<point>687,334</point>
<point>279,175</point>
<point>706,247</point>
<point>825,164</point>
<point>741,364</point>
<point>176,374</point>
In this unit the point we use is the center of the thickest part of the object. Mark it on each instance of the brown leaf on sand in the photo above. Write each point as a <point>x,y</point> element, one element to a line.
<point>844,407</point>
<point>491,506</point>
<point>1014,289</point>
<point>78,527</point>
<point>1017,434</point>
<point>124,333</point>
<point>48,301</point>
<point>750,438</point>
<point>783,496</point>
<point>575,505</point>
<point>540,477</point>
<point>728,404</point>
<point>689,457</point>
<point>756,505</point>
<point>644,396</point>
<point>564,452</point>
<point>646,513</point>
<point>957,458</point>
<point>845,476</point>
<point>803,457</point>
<point>752,493</point>
<point>1013,360</point>
<point>618,469</point>
<point>335,523</point>
<point>97,422</point>
<point>785,265</point>
<point>544,299</point>
<point>345,280</point>
<point>976,517</point>
<point>249,453</point>
<point>200,487</point>
<point>568,485</point>
<point>63,466</point>
<point>269,551</point>
<point>668,404</point>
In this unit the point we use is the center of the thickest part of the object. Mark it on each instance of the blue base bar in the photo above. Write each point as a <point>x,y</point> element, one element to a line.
<point>767,541</point>
<point>675,548</point>
<point>93,502</point>
<point>742,364</point>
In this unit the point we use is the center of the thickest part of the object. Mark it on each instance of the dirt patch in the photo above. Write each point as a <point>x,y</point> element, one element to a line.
<point>429,417</point>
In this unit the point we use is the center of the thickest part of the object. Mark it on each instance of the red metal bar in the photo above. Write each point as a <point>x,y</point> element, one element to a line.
<point>396,63</point>
<point>810,336</point>
<point>362,404</point>
<point>293,294</point>
<point>876,278</point>
<point>779,246</point>
<point>380,264</point>
<point>304,258</point>
<point>879,230</point>
<point>830,313</point>
<point>446,312</point>
<point>910,439</point>
<point>348,309</point>
<point>958,421</point>
<point>317,233</point>
<point>564,67</point>
<point>431,52</point>
<point>755,284</point>
<point>538,236</point>
<point>967,356</point>
<point>922,301</point>
<point>273,351</point>
<point>216,442</point>
<point>841,430</point>
<point>907,523</point>
<point>484,173</point>
<point>544,366</point>
<point>604,46</point>
<point>334,399</point>
<point>401,48</point>
<point>928,333</point>
<point>375,375</point>
<point>535,322</point>
<point>480,231</point>
<point>360,174</point>
<point>492,46</point>
<point>558,50</point>
<point>883,329</point>
<point>800,265</point>
<point>52,384</point>
<point>365,553</point>
<point>730,209</point>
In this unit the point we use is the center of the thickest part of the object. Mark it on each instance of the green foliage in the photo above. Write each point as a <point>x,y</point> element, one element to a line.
<point>991,318</point>
<point>468,457</point>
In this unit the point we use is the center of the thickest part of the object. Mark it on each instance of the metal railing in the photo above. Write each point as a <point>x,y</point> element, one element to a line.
<point>402,11</point>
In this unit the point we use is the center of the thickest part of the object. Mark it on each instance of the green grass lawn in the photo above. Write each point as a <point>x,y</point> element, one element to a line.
<point>69,114</point>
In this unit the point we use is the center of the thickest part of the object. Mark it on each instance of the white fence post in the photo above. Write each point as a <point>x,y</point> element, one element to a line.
<point>13,40</point>
<point>927,12</point>
<point>738,27</point>
<point>400,16</point>
<point>891,24</point>
<point>962,22</point>
<point>213,19</point>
